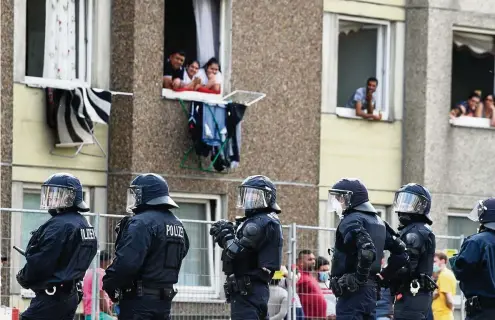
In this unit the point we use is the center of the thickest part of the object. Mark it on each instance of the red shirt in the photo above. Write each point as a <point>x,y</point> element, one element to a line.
<point>312,298</point>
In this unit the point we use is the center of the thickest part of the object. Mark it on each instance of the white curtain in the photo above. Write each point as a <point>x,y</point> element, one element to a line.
<point>60,40</point>
<point>204,15</point>
<point>478,43</point>
<point>347,26</point>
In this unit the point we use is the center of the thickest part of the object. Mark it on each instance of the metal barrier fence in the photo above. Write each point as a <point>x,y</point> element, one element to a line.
<point>200,280</point>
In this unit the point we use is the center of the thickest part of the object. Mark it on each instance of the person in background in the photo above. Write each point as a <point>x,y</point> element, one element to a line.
<point>385,306</point>
<point>173,70</point>
<point>105,304</point>
<point>323,268</point>
<point>211,76</point>
<point>190,79</point>
<point>286,283</point>
<point>312,298</point>
<point>443,297</point>
<point>277,303</point>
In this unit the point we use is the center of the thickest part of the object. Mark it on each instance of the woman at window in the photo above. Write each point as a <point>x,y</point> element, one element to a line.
<point>488,109</point>
<point>190,79</point>
<point>211,77</point>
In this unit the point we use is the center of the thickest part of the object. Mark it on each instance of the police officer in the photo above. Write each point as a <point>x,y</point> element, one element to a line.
<point>59,252</point>
<point>413,285</point>
<point>474,266</point>
<point>149,249</point>
<point>252,253</point>
<point>361,238</point>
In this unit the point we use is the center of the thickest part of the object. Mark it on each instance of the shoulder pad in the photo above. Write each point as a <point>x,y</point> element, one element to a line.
<point>412,240</point>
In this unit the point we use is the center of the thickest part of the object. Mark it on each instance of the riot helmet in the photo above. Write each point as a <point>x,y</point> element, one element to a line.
<point>257,194</point>
<point>412,203</point>
<point>484,213</point>
<point>148,189</point>
<point>348,195</point>
<point>62,192</point>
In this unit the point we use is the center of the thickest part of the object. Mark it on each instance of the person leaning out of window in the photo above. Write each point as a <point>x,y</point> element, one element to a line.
<point>364,100</point>
<point>211,76</point>
<point>469,108</point>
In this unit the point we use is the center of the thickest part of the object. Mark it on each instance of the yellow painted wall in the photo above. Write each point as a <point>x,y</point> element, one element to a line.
<point>380,9</point>
<point>368,150</point>
<point>33,139</point>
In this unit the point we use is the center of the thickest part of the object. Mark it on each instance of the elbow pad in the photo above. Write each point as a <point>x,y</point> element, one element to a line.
<point>365,260</point>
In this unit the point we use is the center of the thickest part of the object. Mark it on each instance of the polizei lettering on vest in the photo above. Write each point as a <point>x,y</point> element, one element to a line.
<point>88,234</point>
<point>175,231</point>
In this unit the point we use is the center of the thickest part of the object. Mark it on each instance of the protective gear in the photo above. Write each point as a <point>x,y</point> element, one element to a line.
<point>150,249</point>
<point>420,242</point>
<point>436,268</point>
<point>62,192</point>
<point>474,265</point>
<point>484,213</point>
<point>251,258</point>
<point>257,194</point>
<point>57,256</point>
<point>412,202</point>
<point>323,276</point>
<point>222,231</point>
<point>349,195</point>
<point>398,255</point>
<point>148,190</point>
<point>359,245</point>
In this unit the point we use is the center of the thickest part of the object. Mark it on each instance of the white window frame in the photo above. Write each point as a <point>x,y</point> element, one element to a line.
<point>472,122</point>
<point>97,44</point>
<point>203,293</point>
<point>225,54</point>
<point>18,191</point>
<point>331,31</point>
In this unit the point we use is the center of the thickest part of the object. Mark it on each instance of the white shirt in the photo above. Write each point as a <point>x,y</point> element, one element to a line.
<point>204,78</point>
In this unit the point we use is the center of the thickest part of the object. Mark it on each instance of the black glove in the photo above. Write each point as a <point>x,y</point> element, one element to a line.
<point>349,282</point>
<point>337,290</point>
<point>223,236</point>
<point>21,280</point>
<point>222,231</point>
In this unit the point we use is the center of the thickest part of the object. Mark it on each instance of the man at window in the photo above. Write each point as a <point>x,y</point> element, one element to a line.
<point>469,108</point>
<point>364,100</point>
<point>173,71</point>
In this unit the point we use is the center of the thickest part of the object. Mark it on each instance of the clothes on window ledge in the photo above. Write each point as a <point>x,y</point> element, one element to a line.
<point>213,126</point>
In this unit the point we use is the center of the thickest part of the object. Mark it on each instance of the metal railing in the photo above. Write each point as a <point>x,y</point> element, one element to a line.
<point>200,280</point>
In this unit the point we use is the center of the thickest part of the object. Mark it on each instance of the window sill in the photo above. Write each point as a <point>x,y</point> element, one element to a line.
<point>193,96</point>
<point>36,82</point>
<point>351,114</point>
<point>471,122</point>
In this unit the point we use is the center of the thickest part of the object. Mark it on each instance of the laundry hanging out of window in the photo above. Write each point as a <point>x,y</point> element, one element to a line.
<point>216,129</point>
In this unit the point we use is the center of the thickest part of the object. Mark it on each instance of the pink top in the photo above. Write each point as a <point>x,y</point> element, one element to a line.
<point>88,290</point>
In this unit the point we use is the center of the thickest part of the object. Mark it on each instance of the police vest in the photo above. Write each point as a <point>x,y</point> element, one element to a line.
<point>345,256</point>
<point>427,250</point>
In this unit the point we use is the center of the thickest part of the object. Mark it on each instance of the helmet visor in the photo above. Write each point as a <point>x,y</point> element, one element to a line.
<point>409,203</point>
<point>478,209</point>
<point>134,197</point>
<point>338,201</point>
<point>56,197</point>
<point>251,198</point>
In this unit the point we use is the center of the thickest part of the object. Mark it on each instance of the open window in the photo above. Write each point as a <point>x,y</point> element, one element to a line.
<point>473,64</point>
<point>196,46</point>
<point>363,53</point>
<point>53,42</point>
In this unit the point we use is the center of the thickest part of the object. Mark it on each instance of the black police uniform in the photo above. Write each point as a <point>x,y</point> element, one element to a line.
<point>150,247</point>
<point>252,253</point>
<point>58,255</point>
<point>416,233</point>
<point>361,238</point>
<point>474,266</point>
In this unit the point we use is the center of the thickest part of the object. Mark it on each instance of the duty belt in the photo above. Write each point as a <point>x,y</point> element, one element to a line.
<point>166,293</point>
<point>233,284</point>
<point>476,304</point>
<point>61,287</point>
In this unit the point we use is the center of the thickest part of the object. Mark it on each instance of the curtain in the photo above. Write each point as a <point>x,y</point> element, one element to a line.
<point>477,43</point>
<point>205,30</point>
<point>60,40</point>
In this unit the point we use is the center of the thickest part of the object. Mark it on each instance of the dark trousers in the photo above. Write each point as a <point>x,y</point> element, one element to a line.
<point>60,306</point>
<point>359,305</point>
<point>410,307</point>
<point>147,307</point>
<point>485,314</point>
<point>253,306</point>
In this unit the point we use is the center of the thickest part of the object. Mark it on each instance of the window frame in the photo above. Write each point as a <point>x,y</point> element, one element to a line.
<point>470,122</point>
<point>386,60</point>
<point>18,191</point>
<point>96,71</point>
<point>204,293</point>
<point>225,59</point>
